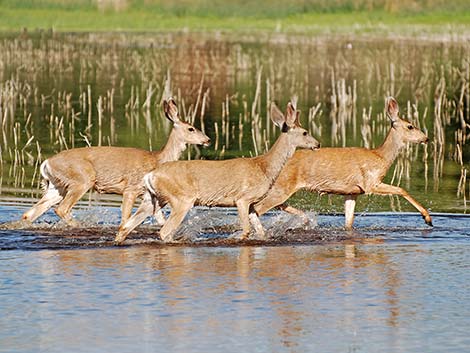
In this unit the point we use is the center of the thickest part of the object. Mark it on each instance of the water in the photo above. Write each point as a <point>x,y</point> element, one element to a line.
<point>392,285</point>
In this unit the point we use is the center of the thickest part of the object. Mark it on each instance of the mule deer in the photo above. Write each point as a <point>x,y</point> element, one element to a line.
<point>346,171</point>
<point>118,170</point>
<point>236,182</point>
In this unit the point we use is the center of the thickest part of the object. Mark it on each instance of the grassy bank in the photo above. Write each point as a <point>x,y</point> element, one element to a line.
<point>84,19</point>
<point>234,15</point>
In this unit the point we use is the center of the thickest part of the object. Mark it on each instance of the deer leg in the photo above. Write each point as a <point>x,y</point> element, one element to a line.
<point>158,213</point>
<point>178,212</point>
<point>243,214</point>
<point>276,196</point>
<point>257,226</point>
<point>385,189</point>
<point>128,200</point>
<point>145,210</point>
<point>74,193</point>
<point>292,210</point>
<point>50,198</point>
<point>295,211</point>
<point>157,210</point>
<point>349,205</point>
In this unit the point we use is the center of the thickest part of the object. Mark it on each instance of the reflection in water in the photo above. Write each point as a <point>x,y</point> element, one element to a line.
<point>359,295</point>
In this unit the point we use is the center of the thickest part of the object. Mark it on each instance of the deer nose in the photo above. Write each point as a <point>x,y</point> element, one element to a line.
<point>207,142</point>
<point>317,146</point>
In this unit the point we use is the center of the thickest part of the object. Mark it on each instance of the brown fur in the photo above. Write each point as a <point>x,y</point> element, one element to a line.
<point>237,182</point>
<point>112,170</point>
<point>346,171</point>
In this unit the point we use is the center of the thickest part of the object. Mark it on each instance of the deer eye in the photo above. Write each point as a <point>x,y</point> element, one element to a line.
<point>305,133</point>
<point>410,127</point>
<point>191,129</point>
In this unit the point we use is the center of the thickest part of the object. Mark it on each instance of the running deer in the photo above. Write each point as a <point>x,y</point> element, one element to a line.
<point>236,182</point>
<point>113,170</point>
<point>346,171</point>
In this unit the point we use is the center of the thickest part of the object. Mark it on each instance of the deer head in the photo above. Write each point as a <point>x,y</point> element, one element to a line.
<point>407,131</point>
<point>290,125</point>
<point>184,131</point>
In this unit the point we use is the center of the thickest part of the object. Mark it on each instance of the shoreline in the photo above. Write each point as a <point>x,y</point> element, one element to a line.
<point>361,23</point>
<point>418,33</point>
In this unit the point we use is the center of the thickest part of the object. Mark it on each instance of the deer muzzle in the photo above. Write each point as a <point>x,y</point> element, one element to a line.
<point>316,146</point>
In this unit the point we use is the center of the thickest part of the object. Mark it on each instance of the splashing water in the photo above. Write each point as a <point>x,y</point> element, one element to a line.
<point>219,227</point>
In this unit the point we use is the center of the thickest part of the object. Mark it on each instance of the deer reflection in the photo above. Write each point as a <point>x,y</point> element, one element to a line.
<point>221,288</point>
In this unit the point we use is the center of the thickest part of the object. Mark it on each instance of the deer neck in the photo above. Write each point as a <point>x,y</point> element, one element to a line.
<point>390,147</point>
<point>275,159</point>
<point>173,148</point>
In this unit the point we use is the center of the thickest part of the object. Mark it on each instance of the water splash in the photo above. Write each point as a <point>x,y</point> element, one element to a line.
<point>220,227</point>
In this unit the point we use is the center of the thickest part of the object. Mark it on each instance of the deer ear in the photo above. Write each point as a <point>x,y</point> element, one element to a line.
<point>297,118</point>
<point>276,116</point>
<point>171,110</point>
<point>392,109</point>
<point>291,115</point>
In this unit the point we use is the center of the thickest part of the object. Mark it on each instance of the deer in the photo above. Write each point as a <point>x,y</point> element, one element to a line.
<point>68,175</point>
<point>238,182</point>
<point>349,171</point>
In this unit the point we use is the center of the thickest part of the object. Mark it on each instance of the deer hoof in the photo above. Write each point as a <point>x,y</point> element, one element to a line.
<point>26,217</point>
<point>120,237</point>
<point>118,241</point>
<point>428,220</point>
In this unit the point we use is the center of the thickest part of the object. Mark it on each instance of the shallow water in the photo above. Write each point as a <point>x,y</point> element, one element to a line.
<point>393,284</point>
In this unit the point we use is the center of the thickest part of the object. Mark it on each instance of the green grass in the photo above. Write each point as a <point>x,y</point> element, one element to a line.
<point>244,8</point>
<point>85,19</point>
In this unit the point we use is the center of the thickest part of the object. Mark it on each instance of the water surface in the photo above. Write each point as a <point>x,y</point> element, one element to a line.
<point>392,285</point>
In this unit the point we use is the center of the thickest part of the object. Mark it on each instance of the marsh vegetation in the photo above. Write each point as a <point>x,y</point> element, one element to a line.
<point>60,91</point>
